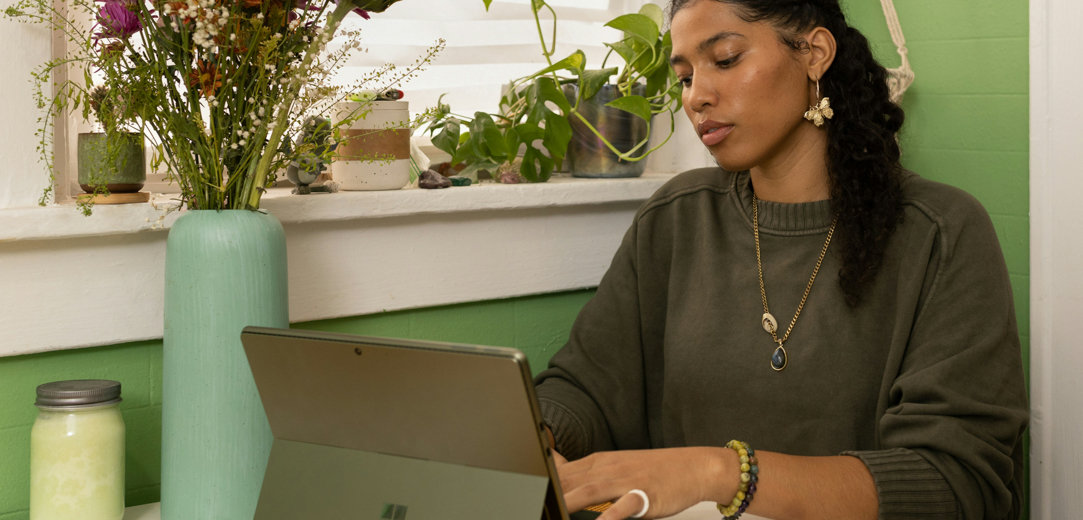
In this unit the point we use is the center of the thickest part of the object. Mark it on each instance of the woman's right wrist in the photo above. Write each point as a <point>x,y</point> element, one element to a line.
<point>747,478</point>
<point>722,484</point>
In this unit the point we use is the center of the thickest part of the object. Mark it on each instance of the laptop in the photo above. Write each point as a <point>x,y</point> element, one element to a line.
<point>390,429</point>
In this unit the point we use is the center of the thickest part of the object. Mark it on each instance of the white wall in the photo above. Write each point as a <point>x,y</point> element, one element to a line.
<point>67,281</point>
<point>22,176</point>
<point>1056,224</point>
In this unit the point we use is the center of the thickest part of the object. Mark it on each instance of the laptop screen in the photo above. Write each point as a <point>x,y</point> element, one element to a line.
<point>378,428</point>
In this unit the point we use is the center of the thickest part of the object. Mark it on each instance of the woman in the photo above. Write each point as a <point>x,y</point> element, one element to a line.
<point>850,321</point>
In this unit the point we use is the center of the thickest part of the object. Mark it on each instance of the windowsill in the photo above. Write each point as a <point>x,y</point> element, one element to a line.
<point>73,281</point>
<point>65,221</point>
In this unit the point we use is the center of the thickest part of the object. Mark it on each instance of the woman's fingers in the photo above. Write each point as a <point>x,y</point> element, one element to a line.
<point>633,504</point>
<point>580,497</point>
<point>599,478</point>
<point>558,458</point>
<point>670,480</point>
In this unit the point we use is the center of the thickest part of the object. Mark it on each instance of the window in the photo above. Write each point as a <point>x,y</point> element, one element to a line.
<point>485,49</point>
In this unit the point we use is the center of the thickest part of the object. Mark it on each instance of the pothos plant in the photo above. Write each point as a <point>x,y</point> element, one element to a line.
<point>535,112</point>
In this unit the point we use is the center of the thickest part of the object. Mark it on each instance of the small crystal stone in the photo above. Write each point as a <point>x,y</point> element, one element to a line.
<point>778,359</point>
<point>431,180</point>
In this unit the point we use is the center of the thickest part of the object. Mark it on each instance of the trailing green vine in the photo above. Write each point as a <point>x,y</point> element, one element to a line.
<point>534,115</point>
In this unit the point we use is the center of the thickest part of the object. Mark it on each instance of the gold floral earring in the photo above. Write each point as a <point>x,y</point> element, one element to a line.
<point>817,113</point>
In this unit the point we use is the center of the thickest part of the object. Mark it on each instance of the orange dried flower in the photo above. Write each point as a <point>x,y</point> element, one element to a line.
<point>205,78</point>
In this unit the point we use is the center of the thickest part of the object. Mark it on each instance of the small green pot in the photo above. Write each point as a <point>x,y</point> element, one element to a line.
<point>114,161</point>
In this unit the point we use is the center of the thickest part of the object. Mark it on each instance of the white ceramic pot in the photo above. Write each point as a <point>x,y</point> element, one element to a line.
<point>374,152</point>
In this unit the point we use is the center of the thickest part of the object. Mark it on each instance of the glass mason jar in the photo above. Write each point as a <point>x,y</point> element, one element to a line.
<point>77,452</point>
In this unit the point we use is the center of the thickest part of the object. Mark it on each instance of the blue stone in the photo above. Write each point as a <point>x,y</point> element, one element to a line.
<point>778,359</point>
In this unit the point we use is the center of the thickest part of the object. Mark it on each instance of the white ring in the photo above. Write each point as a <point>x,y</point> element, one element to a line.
<point>646,502</point>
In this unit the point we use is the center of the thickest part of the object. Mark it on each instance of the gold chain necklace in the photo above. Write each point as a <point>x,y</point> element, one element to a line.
<point>778,358</point>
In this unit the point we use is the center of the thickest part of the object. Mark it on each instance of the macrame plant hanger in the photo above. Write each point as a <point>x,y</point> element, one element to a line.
<point>899,79</point>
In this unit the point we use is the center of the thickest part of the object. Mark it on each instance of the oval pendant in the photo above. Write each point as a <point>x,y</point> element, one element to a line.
<point>769,323</point>
<point>778,359</point>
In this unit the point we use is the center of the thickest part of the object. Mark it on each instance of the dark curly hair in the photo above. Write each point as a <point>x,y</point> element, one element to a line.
<point>862,151</point>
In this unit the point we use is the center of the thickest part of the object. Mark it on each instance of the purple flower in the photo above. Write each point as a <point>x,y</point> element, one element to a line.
<point>117,19</point>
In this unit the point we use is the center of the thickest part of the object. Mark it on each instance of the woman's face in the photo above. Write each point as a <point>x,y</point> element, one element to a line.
<point>745,90</point>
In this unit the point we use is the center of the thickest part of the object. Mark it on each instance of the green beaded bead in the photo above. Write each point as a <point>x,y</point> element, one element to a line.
<point>749,468</point>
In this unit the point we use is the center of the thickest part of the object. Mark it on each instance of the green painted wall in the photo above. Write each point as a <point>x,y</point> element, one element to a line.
<point>968,120</point>
<point>537,325</point>
<point>138,366</point>
<point>967,125</point>
<point>967,113</point>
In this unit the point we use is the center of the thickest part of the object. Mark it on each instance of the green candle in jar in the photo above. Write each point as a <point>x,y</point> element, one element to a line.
<point>77,452</point>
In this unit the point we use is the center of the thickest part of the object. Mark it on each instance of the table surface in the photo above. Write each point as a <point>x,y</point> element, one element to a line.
<point>702,511</point>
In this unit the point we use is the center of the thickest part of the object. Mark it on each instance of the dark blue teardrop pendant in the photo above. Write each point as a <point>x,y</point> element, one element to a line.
<point>778,359</point>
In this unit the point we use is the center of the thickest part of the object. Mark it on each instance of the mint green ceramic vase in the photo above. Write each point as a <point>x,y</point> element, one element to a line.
<point>224,270</point>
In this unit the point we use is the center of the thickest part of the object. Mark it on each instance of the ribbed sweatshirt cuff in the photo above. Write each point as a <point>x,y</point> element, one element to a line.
<point>907,485</point>
<point>573,440</point>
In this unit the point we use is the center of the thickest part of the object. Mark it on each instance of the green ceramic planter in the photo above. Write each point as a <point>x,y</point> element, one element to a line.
<point>113,160</point>
<point>224,270</point>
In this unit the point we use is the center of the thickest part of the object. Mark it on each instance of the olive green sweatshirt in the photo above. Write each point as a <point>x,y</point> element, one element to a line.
<point>923,381</point>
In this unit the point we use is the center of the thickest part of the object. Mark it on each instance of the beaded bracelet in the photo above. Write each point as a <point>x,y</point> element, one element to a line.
<point>747,487</point>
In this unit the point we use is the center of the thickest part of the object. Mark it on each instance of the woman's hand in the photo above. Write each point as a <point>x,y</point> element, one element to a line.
<point>674,479</point>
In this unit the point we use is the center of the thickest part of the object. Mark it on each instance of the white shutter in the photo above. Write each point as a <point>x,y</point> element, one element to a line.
<point>484,49</point>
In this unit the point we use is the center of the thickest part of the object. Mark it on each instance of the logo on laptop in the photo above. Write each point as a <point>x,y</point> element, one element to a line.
<point>393,512</point>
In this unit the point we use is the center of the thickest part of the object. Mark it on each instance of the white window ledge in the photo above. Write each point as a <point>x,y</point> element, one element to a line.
<point>71,281</point>
<point>64,221</point>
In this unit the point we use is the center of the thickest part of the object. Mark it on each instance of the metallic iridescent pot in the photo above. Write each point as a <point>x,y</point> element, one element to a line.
<point>587,154</point>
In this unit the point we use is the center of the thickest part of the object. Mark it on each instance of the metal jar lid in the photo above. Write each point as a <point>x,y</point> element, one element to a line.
<point>79,392</point>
